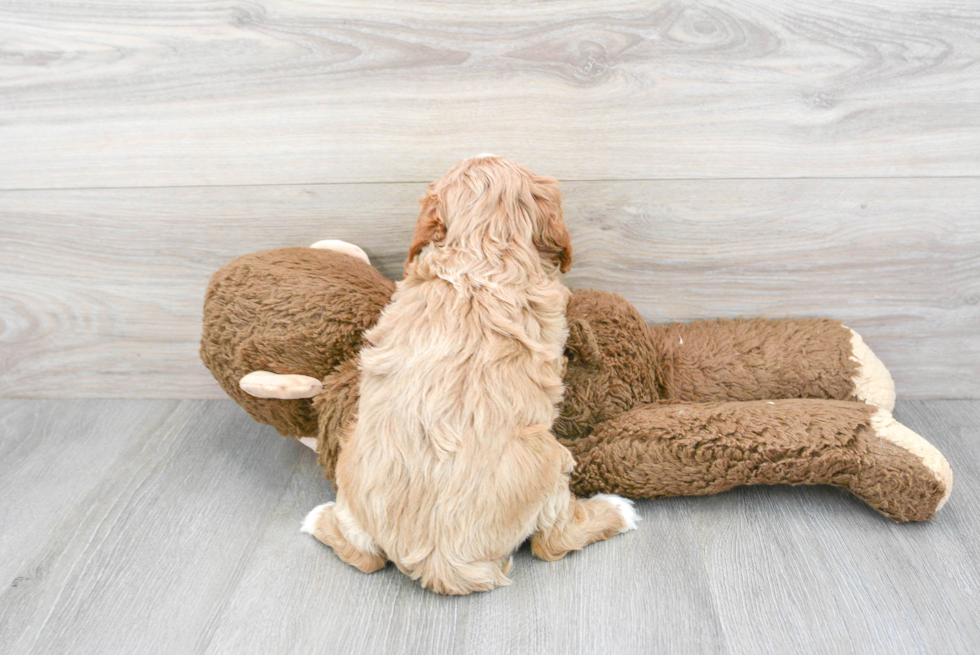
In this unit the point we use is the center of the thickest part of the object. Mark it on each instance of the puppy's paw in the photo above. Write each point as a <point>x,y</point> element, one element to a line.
<point>344,247</point>
<point>625,508</point>
<point>313,518</point>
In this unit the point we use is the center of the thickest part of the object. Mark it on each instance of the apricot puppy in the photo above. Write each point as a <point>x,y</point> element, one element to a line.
<point>451,463</point>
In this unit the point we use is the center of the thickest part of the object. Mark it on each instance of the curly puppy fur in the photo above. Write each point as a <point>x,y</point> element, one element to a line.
<point>451,463</point>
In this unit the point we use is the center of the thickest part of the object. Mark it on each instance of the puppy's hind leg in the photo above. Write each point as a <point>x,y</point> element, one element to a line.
<point>568,523</point>
<point>334,525</point>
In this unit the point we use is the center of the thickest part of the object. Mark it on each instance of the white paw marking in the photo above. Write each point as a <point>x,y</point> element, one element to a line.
<point>353,532</point>
<point>873,383</point>
<point>309,442</point>
<point>625,508</point>
<point>886,427</point>
<point>309,523</point>
<point>265,384</point>
<point>344,247</point>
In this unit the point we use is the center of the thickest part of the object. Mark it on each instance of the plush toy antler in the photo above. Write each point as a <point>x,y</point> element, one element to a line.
<point>681,409</point>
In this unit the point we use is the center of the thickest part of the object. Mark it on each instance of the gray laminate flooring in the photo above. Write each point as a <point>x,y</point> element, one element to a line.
<point>153,526</point>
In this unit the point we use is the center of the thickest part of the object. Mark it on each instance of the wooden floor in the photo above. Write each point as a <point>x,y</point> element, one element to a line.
<point>150,526</point>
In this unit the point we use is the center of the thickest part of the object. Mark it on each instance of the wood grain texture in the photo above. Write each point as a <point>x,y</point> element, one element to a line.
<point>41,449</point>
<point>101,290</point>
<point>338,608</point>
<point>185,539</point>
<point>162,520</point>
<point>109,94</point>
<point>829,575</point>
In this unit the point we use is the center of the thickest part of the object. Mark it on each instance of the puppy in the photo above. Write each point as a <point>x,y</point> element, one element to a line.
<point>451,463</point>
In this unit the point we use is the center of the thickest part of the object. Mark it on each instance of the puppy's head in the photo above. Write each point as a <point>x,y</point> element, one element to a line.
<point>492,204</point>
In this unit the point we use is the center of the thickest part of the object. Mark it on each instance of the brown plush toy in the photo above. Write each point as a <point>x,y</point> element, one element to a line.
<point>649,411</point>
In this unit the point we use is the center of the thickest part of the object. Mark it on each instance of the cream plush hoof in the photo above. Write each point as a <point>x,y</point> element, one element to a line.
<point>873,383</point>
<point>344,247</point>
<point>265,384</point>
<point>309,442</point>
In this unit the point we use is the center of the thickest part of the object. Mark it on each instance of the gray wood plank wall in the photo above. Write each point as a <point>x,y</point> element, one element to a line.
<point>718,159</point>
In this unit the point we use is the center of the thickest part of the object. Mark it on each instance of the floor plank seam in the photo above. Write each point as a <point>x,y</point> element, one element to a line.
<point>146,432</point>
<point>715,606</point>
<point>220,616</point>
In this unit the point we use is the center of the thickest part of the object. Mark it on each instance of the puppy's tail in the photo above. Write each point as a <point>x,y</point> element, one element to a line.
<point>437,573</point>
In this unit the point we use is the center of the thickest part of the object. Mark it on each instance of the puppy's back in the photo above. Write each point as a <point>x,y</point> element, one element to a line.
<point>452,462</point>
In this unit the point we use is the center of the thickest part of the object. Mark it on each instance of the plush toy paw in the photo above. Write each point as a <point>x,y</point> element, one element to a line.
<point>344,247</point>
<point>265,384</point>
<point>873,383</point>
<point>886,427</point>
<point>625,508</point>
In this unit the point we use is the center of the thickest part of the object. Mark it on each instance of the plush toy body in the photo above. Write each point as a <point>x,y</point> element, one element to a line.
<point>649,411</point>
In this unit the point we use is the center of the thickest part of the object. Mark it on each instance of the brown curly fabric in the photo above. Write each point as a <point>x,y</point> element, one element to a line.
<point>648,411</point>
<point>692,449</point>
<point>812,359</point>
<point>292,310</point>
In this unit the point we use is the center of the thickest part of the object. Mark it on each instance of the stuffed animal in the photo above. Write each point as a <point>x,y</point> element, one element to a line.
<point>648,412</point>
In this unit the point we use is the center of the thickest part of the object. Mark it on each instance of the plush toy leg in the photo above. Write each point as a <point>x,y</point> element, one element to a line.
<point>344,247</point>
<point>763,359</point>
<point>333,525</point>
<point>674,449</point>
<point>573,523</point>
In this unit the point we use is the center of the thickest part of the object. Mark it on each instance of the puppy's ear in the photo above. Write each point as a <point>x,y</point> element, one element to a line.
<point>431,226</point>
<point>554,240</point>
